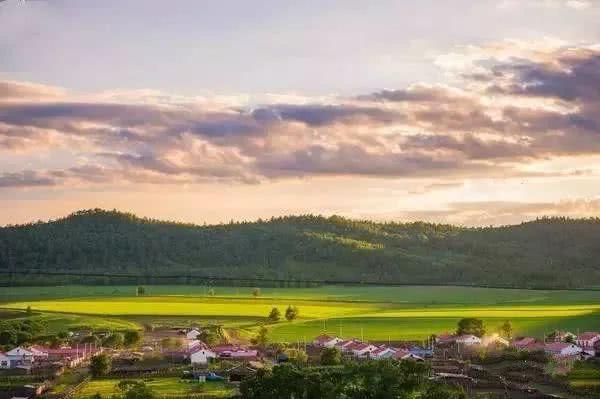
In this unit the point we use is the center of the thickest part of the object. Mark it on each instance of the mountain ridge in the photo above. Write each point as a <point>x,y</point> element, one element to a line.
<point>545,253</point>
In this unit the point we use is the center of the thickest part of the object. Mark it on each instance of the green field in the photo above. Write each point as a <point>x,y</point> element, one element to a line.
<point>375,313</point>
<point>160,386</point>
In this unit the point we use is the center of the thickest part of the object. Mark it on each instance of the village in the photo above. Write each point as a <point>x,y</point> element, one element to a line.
<point>181,353</point>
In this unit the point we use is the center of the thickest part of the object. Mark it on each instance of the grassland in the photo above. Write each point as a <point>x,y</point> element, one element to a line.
<point>585,375</point>
<point>160,386</point>
<point>375,313</point>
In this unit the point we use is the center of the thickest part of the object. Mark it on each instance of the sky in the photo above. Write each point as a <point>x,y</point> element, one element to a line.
<point>466,112</point>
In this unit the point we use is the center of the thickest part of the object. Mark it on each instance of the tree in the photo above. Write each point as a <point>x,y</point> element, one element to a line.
<point>442,391</point>
<point>291,313</point>
<point>471,325</point>
<point>256,292</point>
<point>506,329</point>
<point>132,337</point>
<point>8,337</point>
<point>275,314</point>
<point>140,291</point>
<point>331,356</point>
<point>369,379</point>
<point>29,310</point>
<point>114,340</point>
<point>297,356</point>
<point>262,337</point>
<point>100,365</point>
<point>135,390</point>
<point>171,343</point>
<point>569,339</point>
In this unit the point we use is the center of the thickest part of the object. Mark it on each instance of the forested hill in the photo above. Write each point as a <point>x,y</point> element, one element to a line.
<point>548,253</point>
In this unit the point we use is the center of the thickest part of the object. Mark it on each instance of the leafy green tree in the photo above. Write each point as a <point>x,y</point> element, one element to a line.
<point>132,389</point>
<point>261,339</point>
<point>291,313</point>
<point>569,339</point>
<point>506,329</point>
<point>114,340</point>
<point>171,343</point>
<point>132,337</point>
<point>331,356</point>
<point>441,391</point>
<point>100,365</point>
<point>297,356</point>
<point>471,325</point>
<point>91,339</point>
<point>8,337</point>
<point>370,379</point>
<point>275,314</point>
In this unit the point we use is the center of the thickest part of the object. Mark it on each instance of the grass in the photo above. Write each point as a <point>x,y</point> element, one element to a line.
<point>159,385</point>
<point>584,374</point>
<point>375,313</point>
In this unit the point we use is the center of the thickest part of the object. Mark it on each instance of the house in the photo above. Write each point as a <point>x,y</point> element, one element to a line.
<point>326,341</point>
<point>406,355</point>
<point>201,355</point>
<point>421,352</point>
<point>523,342</point>
<point>383,352</point>
<point>19,358</point>
<point>346,346</point>
<point>192,334</point>
<point>363,350</point>
<point>235,353</point>
<point>587,339</point>
<point>445,339</point>
<point>468,340</point>
<point>561,349</point>
<point>4,361</point>
<point>597,348</point>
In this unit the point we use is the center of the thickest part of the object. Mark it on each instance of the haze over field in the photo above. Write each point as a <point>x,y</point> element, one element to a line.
<point>465,112</point>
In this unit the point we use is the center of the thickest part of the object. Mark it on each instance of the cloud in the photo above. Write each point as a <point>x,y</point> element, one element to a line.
<point>515,104</point>
<point>11,90</point>
<point>572,4</point>
<point>27,178</point>
<point>486,213</point>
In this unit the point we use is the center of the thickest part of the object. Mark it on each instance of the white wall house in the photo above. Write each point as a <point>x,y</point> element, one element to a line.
<point>562,349</point>
<point>202,356</point>
<point>326,341</point>
<point>587,339</point>
<point>383,353</point>
<point>363,350</point>
<point>19,357</point>
<point>192,334</point>
<point>468,340</point>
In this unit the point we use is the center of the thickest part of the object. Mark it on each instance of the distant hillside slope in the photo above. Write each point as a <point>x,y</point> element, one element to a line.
<point>545,253</point>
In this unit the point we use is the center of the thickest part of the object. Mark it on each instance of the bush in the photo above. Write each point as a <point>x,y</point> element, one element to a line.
<point>100,365</point>
<point>331,356</point>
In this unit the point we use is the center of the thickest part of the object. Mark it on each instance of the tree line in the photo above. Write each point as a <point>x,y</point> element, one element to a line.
<point>297,248</point>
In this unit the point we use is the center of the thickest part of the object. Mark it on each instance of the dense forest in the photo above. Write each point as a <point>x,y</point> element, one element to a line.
<point>546,253</point>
